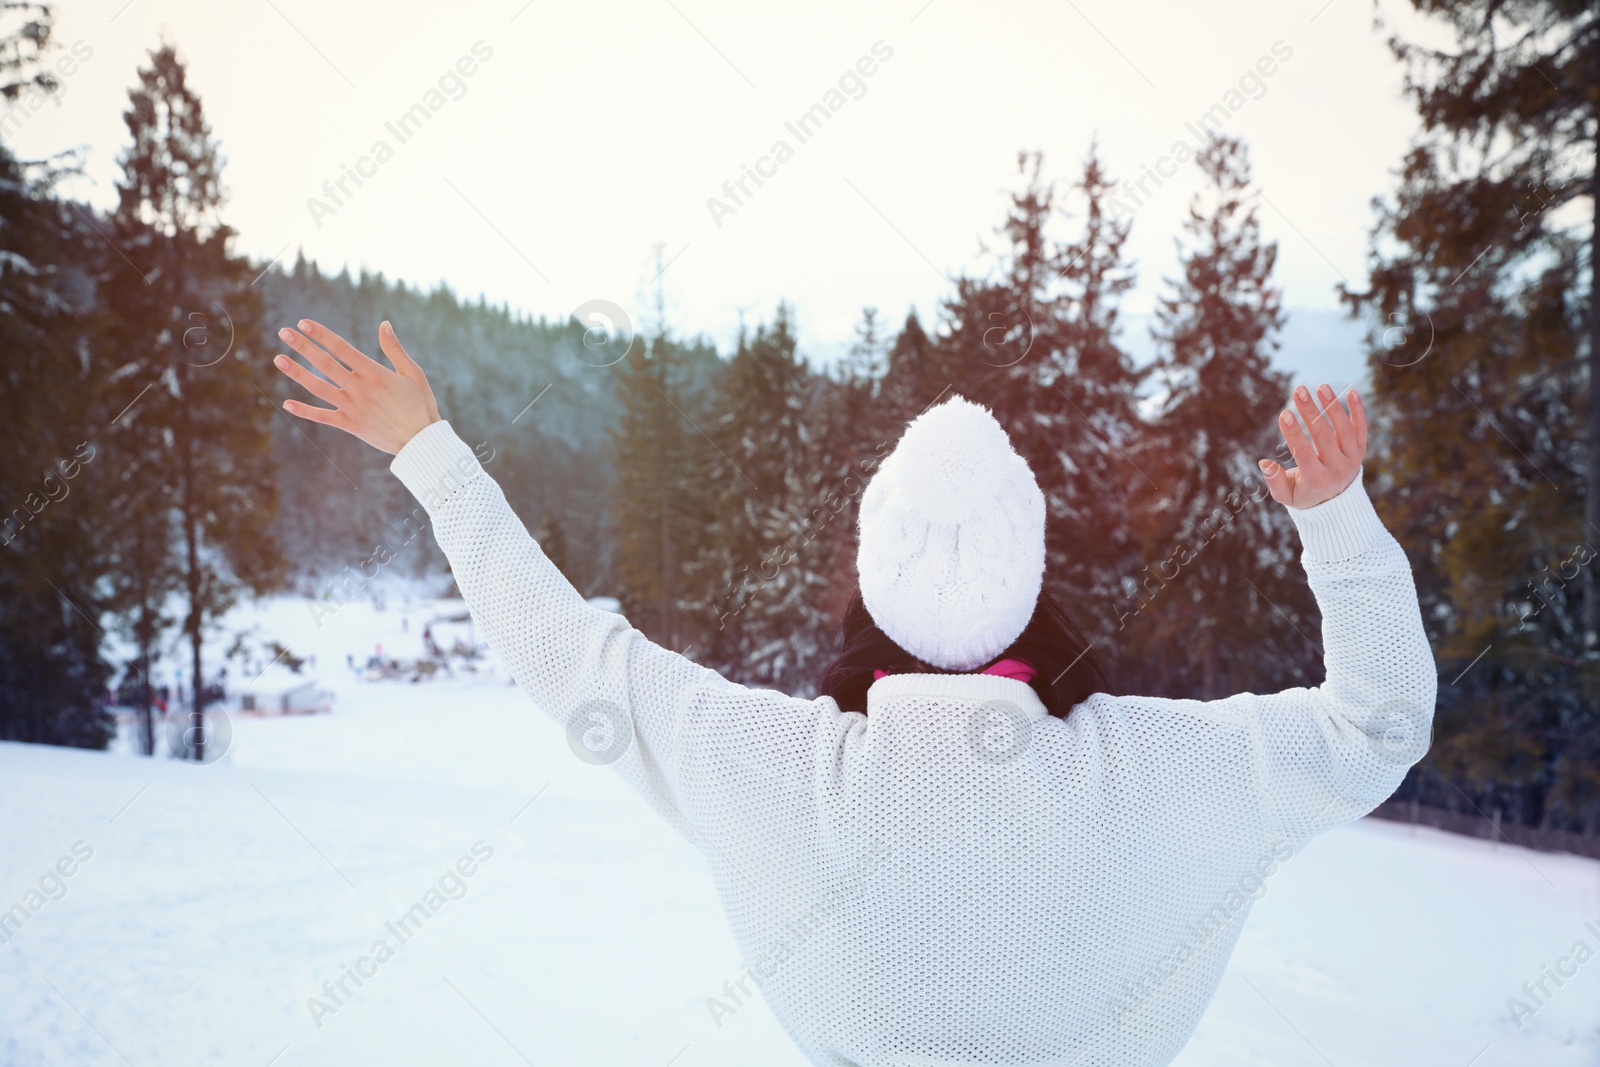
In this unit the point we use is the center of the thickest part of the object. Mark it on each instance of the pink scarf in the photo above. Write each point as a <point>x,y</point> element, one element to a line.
<point>1008,668</point>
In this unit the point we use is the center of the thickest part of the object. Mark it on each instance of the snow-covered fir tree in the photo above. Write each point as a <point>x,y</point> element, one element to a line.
<point>1221,597</point>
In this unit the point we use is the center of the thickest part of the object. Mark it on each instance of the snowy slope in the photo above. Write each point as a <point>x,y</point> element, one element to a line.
<point>219,899</point>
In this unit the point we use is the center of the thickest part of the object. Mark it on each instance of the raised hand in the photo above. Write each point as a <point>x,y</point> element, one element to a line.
<point>1325,463</point>
<point>383,407</point>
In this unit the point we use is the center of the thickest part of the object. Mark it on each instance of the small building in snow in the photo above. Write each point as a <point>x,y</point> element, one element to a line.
<point>278,691</point>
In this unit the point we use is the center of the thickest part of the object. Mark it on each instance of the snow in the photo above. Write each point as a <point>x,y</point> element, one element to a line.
<point>218,899</point>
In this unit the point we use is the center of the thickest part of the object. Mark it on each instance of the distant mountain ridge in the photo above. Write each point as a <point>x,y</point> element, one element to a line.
<point>1315,346</point>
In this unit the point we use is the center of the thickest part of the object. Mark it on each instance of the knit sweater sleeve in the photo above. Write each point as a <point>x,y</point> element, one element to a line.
<point>623,699</point>
<point>1332,753</point>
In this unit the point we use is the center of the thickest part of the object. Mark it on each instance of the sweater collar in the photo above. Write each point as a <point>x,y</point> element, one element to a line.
<point>978,688</point>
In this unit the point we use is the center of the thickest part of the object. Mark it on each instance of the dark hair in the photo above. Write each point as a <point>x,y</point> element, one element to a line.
<point>1067,669</point>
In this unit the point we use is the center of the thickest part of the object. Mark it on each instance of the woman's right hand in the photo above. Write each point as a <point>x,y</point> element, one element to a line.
<point>385,408</point>
<point>1327,462</point>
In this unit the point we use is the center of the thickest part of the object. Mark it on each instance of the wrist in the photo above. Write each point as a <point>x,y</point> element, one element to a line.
<point>434,464</point>
<point>1355,477</point>
<point>408,437</point>
<point>1338,528</point>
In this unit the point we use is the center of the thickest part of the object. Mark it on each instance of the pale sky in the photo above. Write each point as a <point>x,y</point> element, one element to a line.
<point>592,132</point>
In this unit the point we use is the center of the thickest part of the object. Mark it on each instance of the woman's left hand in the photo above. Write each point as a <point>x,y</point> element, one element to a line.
<point>385,408</point>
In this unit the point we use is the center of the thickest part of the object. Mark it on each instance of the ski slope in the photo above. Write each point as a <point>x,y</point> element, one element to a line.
<point>220,905</point>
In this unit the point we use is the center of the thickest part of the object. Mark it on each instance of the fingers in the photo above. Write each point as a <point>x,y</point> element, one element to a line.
<point>1358,417</point>
<point>1344,430</point>
<point>390,343</point>
<point>1300,446</point>
<point>326,416</point>
<point>358,361</point>
<point>1278,482</point>
<point>335,371</point>
<point>1322,432</point>
<point>317,387</point>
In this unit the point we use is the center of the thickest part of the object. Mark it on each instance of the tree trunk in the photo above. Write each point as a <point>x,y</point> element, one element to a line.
<point>196,715</point>
<point>191,537</point>
<point>669,620</point>
<point>1591,582</point>
<point>1208,682</point>
<point>147,738</point>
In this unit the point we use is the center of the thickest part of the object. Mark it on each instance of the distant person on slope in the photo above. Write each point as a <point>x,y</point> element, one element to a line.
<point>961,853</point>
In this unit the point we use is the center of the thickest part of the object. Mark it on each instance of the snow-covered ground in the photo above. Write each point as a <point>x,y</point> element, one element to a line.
<point>564,923</point>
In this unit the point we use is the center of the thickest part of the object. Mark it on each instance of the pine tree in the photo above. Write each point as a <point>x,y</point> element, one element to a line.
<point>1223,602</point>
<point>52,676</point>
<point>1483,363</point>
<point>767,621</point>
<point>661,500</point>
<point>996,332</point>
<point>1037,344</point>
<point>179,310</point>
<point>1084,423</point>
<point>915,376</point>
<point>855,424</point>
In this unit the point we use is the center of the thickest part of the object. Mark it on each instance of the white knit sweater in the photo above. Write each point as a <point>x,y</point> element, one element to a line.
<point>954,881</point>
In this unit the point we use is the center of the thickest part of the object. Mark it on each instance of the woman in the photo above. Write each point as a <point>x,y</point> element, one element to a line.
<point>955,876</point>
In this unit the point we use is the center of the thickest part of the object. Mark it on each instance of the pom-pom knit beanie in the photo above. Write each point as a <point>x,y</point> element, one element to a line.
<point>951,553</point>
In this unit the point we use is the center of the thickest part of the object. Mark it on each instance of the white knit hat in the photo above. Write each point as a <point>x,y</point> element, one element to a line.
<point>951,554</point>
